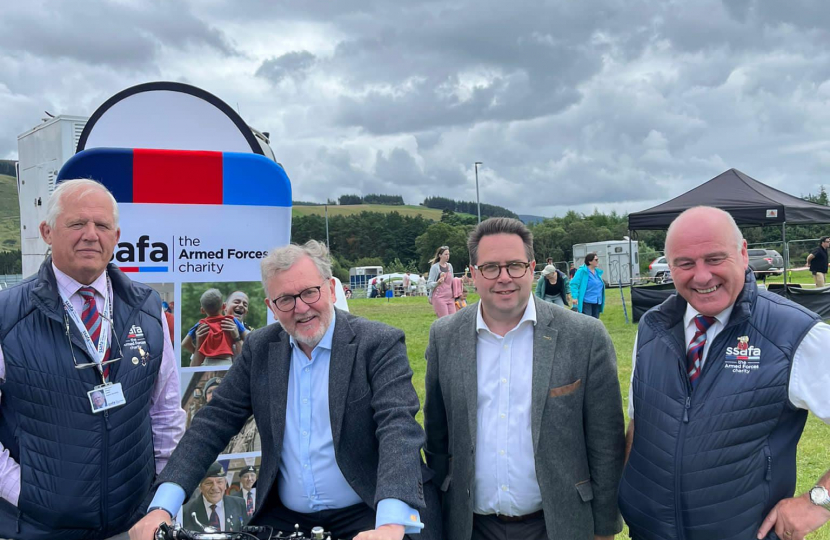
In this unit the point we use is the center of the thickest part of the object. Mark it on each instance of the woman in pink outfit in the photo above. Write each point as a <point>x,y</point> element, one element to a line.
<point>439,283</point>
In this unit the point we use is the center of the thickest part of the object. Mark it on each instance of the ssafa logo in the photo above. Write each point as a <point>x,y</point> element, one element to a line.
<point>135,332</point>
<point>127,255</point>
<point>743,358</point>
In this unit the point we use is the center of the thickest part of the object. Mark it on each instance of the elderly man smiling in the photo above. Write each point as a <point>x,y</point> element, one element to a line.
<point>724,375</point>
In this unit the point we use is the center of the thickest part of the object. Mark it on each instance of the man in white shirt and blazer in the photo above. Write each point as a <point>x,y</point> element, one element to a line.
<point>523,414</point>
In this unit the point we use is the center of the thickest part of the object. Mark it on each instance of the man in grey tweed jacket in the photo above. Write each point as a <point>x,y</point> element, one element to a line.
<point>523,413</point>
<point>332,396</point>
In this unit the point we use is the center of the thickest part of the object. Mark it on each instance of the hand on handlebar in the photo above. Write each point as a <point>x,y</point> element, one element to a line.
<point>146,527</point>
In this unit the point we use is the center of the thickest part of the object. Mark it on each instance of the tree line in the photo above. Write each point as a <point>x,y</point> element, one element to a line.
<point>7,167</point>
<point>372,198</point>
<point>467,207</point>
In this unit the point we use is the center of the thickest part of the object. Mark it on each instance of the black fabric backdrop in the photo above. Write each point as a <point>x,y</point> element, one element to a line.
<point>816,300</point>
<point>749,201</point>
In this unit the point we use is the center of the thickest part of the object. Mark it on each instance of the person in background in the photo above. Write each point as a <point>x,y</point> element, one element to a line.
<point>439,283</point>
<point>247,491</point>
<point>212,508</point>
<point>571,270</point>
<point>554,287</point>
<point>817,260</point>
<point>407,281</point>
<point>587,287</point>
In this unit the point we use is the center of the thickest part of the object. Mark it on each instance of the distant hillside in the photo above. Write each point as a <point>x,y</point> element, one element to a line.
<point>528,219</point>
<point>350,209</point>
<point>9,214</point>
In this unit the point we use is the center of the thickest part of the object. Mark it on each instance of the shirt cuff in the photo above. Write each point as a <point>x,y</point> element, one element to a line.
<point>169,496</point>
<point>395,512</point>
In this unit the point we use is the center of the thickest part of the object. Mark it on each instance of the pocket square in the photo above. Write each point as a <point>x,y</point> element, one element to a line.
<point>565,390</point>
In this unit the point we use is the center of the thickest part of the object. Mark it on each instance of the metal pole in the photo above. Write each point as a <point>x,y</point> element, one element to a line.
<point>327,228</point>
<point>478,199</point>
<point>786,255</point>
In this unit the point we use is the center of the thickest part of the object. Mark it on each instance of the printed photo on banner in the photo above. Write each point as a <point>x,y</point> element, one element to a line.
<point>226,498</point>
<point>197,391</point>
<point>216,318</point>
<point>167,293</point>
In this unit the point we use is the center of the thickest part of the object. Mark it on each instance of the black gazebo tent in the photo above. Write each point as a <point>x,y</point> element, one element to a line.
<point>749,201</point>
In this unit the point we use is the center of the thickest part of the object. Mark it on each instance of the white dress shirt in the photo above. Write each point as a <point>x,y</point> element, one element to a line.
<point>220,511</point>
<point>505,469</point>
<point>809,376</point>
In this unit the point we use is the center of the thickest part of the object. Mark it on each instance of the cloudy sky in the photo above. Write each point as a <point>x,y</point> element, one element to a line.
<point>608,104</point>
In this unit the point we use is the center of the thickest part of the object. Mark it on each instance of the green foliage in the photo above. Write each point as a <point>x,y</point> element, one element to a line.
<point>306,203</point>
<point>821,198</point>
<point>468,207</point>
<point>7,167</point>
<point>442,234</point>
<point>350,199</point>
<point>9,214</point>
<point>451,218</point>
<point>11,262</point>
<point>374,198</point>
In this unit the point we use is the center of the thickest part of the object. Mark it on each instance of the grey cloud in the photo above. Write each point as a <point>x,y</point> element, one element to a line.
<point>287,65</point>
<point>119,35</point>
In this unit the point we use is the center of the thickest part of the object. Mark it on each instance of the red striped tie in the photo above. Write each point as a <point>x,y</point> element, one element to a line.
<point>92,321</point>
<point>694,355</point>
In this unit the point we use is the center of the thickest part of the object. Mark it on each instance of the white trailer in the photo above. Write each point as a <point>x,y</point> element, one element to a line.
<point>615,260</point>
<point>42,151</point>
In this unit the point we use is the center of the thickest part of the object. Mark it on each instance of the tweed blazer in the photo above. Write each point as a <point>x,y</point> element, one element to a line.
<point>576,421</point>
<point>372,404</point>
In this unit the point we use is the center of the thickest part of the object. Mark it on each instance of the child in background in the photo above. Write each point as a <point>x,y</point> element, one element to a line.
<point>218,345</point>
<point>459,293</point>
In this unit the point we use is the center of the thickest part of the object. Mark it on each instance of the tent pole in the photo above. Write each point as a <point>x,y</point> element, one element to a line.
<point>630,261</point>
<point>786,254</point>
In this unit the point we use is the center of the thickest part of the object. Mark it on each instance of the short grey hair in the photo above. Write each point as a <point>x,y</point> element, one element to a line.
<point>80,187</point>
<point>282,258</point>
<point>211,301</point>
<point>736,231</point>
<point>501,225</point>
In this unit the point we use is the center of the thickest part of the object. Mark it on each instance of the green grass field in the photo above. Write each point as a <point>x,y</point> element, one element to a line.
<point>10,214</point>
<point>414,316</point>
<point>351,209</point>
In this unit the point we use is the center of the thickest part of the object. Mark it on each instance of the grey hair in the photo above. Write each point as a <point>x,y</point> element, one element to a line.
<point>500,225</point>
<point>80,187</point>
<point>211,301</point>
<point>736,231</point>
<point>282,258</point>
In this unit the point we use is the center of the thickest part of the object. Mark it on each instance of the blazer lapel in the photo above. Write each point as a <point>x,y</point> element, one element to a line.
<point>343,353</point>
<point>279,365</point>
<point>467,365</point>
<point>544,353</point>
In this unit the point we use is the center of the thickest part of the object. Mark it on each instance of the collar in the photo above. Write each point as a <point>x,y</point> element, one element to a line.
<point>326,341</point>
<point>220,504</point>
<point>691,313</point>
<point>529,315</point>
<point>69,285</point>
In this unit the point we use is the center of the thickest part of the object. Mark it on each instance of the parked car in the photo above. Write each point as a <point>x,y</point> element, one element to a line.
<point>765,262</point>
<point>657,268</point>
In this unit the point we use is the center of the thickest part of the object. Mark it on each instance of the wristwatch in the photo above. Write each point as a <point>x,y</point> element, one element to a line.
<point>820,497</point>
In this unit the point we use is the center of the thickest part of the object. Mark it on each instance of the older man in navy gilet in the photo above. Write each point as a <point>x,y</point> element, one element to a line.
<point>723,379</point>
<point>73,467</point>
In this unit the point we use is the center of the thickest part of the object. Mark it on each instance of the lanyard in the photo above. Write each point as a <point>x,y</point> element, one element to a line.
<point>96,354</point>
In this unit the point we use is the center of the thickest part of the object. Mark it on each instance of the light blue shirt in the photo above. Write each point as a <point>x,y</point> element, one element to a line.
<point>505,468</point>
<point>593,292</point>
<point>309,478</point>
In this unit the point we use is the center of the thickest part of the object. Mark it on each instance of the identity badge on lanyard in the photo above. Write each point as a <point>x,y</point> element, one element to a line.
<point>107,395</point>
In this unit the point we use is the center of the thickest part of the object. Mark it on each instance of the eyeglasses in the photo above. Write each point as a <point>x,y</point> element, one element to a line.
<point>287,302</point>
<point>87,365</point>
<point>515,269</point>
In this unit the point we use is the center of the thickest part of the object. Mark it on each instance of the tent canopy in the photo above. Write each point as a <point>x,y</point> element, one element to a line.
<point>749,201</point>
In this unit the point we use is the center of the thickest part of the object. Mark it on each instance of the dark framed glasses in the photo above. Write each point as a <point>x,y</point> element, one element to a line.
<point>515,269</point>
<point>288,302</point>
